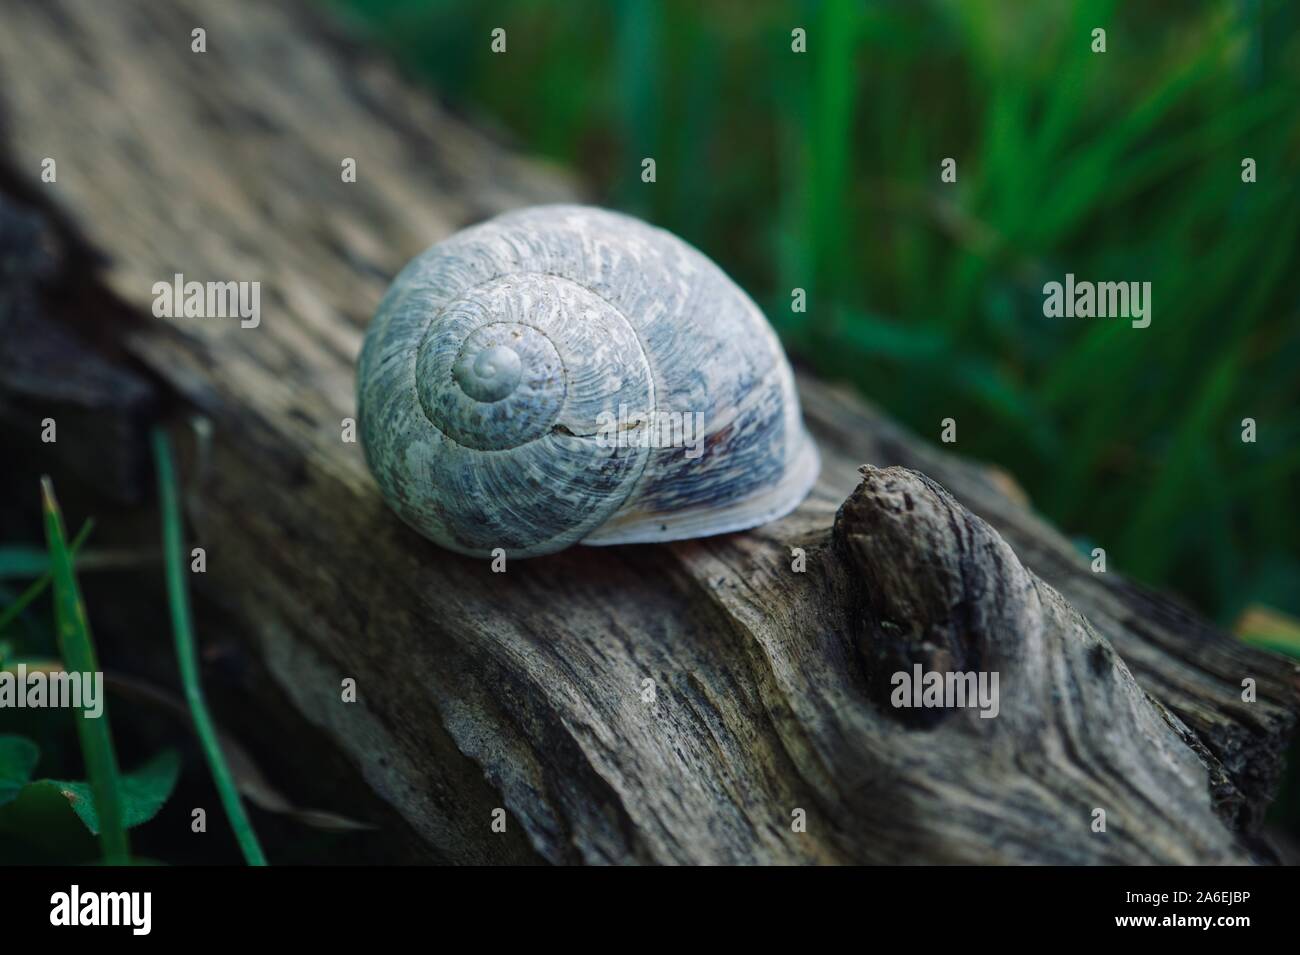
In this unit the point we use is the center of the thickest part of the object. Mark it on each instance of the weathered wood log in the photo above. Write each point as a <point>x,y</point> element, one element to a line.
<point>99,408</point>
<point>528,690</point>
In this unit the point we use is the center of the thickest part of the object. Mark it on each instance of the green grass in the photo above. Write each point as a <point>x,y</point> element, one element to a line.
<point>51,819</point>
<point>78,652</point>
<point>42,582</point>
<point>821,171</point>
<point>187,655</point>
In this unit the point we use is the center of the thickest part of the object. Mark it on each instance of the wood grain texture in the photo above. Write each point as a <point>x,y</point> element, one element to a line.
<point>98,409</point>
<point>523,690</point>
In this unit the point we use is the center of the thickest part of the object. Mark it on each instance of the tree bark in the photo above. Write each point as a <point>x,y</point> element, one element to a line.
<point>529,691</point>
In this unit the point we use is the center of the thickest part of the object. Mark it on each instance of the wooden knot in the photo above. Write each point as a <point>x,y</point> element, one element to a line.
<point>933,580</point>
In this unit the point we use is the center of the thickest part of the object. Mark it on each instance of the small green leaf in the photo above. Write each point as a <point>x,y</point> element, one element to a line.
<point>18,756</point>
<point>143,792</point>
<point>40,826</point>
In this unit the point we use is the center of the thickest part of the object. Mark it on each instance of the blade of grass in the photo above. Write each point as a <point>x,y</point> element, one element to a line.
<point>638,89</point>
<point>37,587</point>
<point>79,656</point>
<point>22,562</point>
<point>26,563</point>
<point>833,110</point>
<point>187,655</point>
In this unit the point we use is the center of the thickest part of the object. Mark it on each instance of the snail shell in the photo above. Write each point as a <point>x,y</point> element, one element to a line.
<point>491,380</point>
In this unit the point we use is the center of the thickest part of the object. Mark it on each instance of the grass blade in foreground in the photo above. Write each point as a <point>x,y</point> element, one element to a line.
<point>79,656</point>
<point>178,597</point>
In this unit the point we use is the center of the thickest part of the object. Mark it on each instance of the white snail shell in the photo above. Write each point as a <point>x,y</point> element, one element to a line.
<point>499,355</point>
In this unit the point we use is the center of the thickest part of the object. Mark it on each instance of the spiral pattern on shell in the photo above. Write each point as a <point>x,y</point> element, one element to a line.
<point>498,355</point>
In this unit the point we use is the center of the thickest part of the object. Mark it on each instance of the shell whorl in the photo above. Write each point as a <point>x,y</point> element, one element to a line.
<point>510,379</point>
<point>487,380</point>
<point>488,367</point>
<point>498,355</point>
